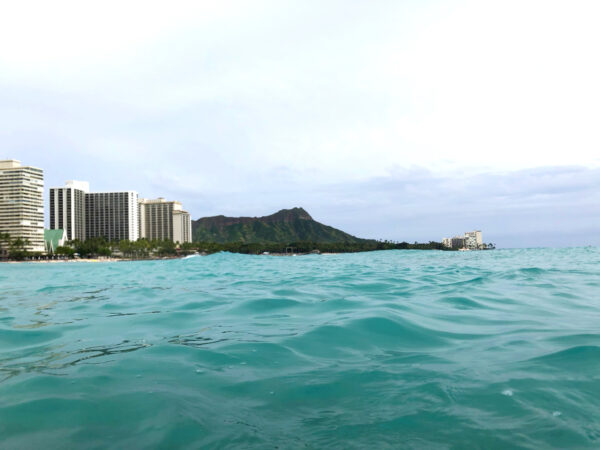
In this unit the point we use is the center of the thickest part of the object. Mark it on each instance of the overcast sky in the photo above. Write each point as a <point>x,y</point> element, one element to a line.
<point>403,120</point>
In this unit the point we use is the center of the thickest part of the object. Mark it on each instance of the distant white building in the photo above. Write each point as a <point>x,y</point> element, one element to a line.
<point>471,240</point>
<point>164,220</point>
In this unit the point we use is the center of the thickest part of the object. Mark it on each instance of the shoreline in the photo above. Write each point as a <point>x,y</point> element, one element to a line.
<point>165,258</point>
<point>89,260</point>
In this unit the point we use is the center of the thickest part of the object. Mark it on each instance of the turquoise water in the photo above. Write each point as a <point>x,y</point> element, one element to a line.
<point>385,349</point>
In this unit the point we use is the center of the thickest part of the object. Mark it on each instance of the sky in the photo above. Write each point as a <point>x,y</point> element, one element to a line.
<point>400,120</point>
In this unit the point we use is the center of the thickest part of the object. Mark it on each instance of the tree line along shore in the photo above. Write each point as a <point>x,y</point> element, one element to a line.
<point>15,250</point>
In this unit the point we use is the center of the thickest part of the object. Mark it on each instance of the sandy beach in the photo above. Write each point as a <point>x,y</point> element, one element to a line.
<point>46,261</point>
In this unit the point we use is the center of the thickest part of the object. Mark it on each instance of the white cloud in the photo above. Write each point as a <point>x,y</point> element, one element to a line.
<point>352,90</point>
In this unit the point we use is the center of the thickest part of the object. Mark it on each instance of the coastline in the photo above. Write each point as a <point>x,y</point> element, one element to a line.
<point>58,261</point>
<point>112,259</point>
<point>90,260</point>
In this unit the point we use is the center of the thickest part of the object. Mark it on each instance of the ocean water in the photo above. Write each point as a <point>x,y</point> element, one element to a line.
<point>394,349</point>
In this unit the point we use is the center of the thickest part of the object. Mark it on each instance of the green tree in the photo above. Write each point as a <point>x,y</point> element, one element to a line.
<point>92,247</point>
<point>167,248</point>
<point>65,251</point>
<point>4,244</point>
<point>18,249</point>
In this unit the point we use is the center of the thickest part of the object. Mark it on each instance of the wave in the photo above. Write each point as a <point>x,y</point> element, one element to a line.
<point>419,349</point>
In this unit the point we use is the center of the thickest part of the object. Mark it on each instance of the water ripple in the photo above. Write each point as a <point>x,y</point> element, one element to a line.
<point>385,349</point>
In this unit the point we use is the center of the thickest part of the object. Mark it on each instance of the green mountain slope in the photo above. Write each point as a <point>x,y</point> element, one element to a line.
<point>285,226</point>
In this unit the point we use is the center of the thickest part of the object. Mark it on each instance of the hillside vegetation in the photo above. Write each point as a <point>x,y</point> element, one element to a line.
<point>285,226</point>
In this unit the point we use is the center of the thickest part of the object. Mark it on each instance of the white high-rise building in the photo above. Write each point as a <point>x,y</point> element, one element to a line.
<point>22,203</point>
<point>473,240</point>
<point>67,208</point>
<point>164,220</point>
<point>182,227</point>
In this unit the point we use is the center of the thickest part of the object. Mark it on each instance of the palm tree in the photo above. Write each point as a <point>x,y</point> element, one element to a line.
<point>4,243</point>
<point>18,248</point>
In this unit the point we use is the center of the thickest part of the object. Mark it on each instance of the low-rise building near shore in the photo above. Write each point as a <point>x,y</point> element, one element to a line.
<point>458,242</point>
<point>54,239</point>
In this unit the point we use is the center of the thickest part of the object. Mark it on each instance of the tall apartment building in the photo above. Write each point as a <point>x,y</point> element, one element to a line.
<point>473,240</point>
<point>112,215</point>
<point>182,227</point>
<point>67,208</point>
<point>22,203</point>
<point>164,220</point>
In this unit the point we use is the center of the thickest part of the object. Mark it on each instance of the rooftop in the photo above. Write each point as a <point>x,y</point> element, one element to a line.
<point>158,200</point>
<point>9,163</point>
<point>15,164</point>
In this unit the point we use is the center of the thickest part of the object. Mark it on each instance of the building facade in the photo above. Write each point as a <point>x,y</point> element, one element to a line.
<point>112,215</point>
<point>473,240</point>
<point>67,209</point>
<point>22,203</point>
<point>182,227</point>
<point>458,242</point>
<point>164,220</point>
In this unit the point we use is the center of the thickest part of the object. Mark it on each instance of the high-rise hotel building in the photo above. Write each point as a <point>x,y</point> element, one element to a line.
<point>85,215</point>
<point>182,227</point>
<point>116,216</point>
<point>164,220</point>
<point>22,203</point>
<point>112,215</point>
<point>67,209</point>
